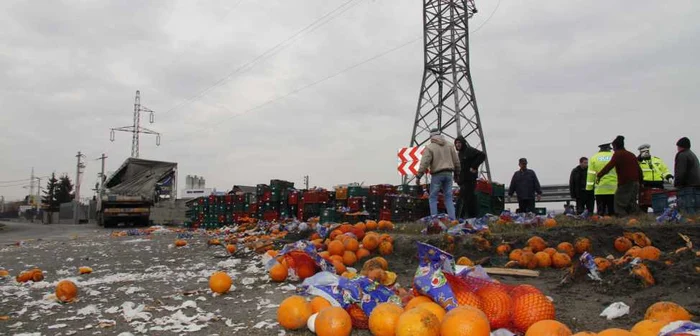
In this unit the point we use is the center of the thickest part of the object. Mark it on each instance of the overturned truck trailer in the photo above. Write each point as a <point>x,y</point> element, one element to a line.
<point>130,192</point>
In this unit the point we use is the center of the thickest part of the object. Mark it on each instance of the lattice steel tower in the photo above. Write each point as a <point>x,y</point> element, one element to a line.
<point>447,99</point>
<point>137,129</point>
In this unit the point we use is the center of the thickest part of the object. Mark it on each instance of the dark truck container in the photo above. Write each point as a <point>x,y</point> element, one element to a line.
<point>130,192</point>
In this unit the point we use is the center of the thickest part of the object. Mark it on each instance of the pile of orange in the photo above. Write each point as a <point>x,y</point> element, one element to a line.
<point>537,254</point>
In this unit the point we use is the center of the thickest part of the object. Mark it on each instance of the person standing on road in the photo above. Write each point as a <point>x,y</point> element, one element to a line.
<point>604,189</point>
<point>470,159</point>
<point>526,185</point>
<point>577,187</point>
<point>653,168</point>
<point>442,160</point>
<point>629,177</point>
<point>686,166</point>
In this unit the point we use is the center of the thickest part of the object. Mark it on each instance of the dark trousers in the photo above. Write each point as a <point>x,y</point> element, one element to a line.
<point>467,208</point>
<point>585,201</point>
<point>526,205</point>
<point>626,198</point>
<point>606,204</point>
<point>654,184</point>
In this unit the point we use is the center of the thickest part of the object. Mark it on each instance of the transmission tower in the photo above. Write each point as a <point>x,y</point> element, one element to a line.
<point>136,129</point>
<point>447,101</point>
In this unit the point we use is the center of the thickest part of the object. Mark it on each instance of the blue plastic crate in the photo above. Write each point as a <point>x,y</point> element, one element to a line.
<point>659,201</point>
<point>689,200</point>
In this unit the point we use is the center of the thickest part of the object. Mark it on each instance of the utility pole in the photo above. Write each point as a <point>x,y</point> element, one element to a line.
<point>31,188</point>
<point>306,181</point>
<point>76,200</point>
<point>101,175</point>
<point>136,128</point>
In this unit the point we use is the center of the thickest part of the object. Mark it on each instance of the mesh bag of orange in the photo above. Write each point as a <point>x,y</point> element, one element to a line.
<point>302,260</point>
<point>515,308</point>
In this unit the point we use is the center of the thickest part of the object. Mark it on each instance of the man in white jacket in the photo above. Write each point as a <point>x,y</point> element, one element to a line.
<point>441,158</point>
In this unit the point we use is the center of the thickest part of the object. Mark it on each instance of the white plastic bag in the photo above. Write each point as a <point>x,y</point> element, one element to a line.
<point>616,310</point>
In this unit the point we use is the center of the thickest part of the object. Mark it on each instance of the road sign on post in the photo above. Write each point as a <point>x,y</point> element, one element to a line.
<point>409,160</point>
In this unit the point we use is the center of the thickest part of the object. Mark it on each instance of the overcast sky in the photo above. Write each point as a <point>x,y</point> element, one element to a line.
<point>553,80</point>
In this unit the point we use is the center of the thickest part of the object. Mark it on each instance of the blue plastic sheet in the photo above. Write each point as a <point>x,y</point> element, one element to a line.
<point>430,278</point>
<point>680,328</point>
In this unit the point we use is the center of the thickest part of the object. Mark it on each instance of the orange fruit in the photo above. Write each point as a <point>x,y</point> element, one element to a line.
<point>634,251</point>
<point>377,274</point>
<point>414,302</point>
<point>386,248</point>
<point>602,264</point>
<point>371,225</point>
<point>417,321</point>
<point>515,255</point>
<point>231,248</point>
<point>503,249</point>
<point>622,244</point>
<point>665,311</point>
<point>349,258</point>
<point>333,321</point>
<point>382,262</point>
<point>362,253</point>
<point>318,303</point>
<point>523,289</point>
<point>527,260</point>
<point>536,243</point>
<point>433,308</point>
<point>496,304</point>
<point>386,237</point>
<point>561,260</point>
<point>543,259</point>
<point>324,255</point>
<point>383,319</point>
<point>529,309</point>
<point>336,247</point>
<point>272,253</point>
<point>464,261</point>
<point>352,245</point>
<point>585,333</point>
<point>293,312</point>
<point>650,253</point>
<point>548,328</point>
<point>279,273</point>
<point>615,332</point>
<point>339,267</point>
<point>81,270</point>
<point>360,225</point>
<point>647,328</point>
<point>567,248</point>
<point>66,291</point>
<point>220,282</point>
<point>370,242</point>
<point>180,242</point>
<point>463,321</point>
<point>582,245</point>
<point>345,228</point>
<point>550,251</point>
<point>467,298</point>
<point>334,234</point>
<point>550,222</point>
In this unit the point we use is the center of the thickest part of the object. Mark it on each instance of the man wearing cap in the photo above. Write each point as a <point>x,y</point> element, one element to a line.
<point>585,199</point>
<point>441,158</point>
<point>687,167</point>
<point>604,189</point>
<point>653,168</point>
<point>629,176</point>
<point>527,186</point>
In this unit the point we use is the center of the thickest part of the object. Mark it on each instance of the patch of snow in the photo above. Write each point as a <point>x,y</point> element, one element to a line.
<point>89,310</point>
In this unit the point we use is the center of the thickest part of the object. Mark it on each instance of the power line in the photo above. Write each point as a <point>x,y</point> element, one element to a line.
<point>295,91</point>
<point>487,19</point>
<point>270,52</point>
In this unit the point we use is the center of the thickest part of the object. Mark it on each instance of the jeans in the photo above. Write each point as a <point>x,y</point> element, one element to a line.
<point>441,181</point>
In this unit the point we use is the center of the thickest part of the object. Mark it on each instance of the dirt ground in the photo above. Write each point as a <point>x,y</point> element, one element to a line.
<point>171,282</point>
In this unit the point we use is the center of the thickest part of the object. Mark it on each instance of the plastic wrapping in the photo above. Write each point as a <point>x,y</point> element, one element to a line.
<point>301,256</point>
<point>680,328</point>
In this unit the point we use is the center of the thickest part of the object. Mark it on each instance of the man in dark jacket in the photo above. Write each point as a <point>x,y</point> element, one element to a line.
<point>527,186</point>
<point>629,177</point>
<point>577,187</point>
<point>687,167</point>
<point>470,159</point>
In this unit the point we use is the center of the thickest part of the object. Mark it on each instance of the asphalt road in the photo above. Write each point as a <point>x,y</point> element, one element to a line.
<point>140,285</point>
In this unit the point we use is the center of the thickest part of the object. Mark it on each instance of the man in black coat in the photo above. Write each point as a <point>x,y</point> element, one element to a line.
<point>687,167</point>
<point>577,187</point>
<point>470,159</point>
<point>526,185</point>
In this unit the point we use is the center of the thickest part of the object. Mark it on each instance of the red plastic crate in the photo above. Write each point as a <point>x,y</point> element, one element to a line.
<point>271,215</point>
<point>293,198</point>
<point>484,187</point>
<point>385,215</point>
<point>355,203</point>
<point>266,196</point>
<point>312,197</point>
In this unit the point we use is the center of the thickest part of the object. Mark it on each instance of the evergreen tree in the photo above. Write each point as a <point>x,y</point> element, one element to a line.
<point>49,198</point>
<point>64,192</point>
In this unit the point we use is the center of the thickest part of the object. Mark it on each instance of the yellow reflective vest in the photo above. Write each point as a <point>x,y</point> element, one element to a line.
<point>608,183</point>
<point>654,169</point>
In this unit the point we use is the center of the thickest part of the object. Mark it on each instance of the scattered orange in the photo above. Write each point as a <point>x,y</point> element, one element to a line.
<point>339,267</point>
<point>371,225</point>
<point>279,273</point>
<point>602,264</point>
<point>383,319</point>
<point>647,328</point>
<point>550,222</point>
<point>362,253</point>
<point>414,302</point>
<point>434,308</point>
<point>650,253</point>
<point>622,244</point>
<point>582,245</point>
<point>568,248</point>
<point>360,225</point>
<point>180,242</point>
<point>336,247</point>
<point>633,251</point>
<point>515,255</point>
<point>386,248</point>
<point>66,291</point>
<point>352,245</point>
<point>496,304</point>
<point>84,270</point>
<point>503,249</point>
<point>465,320</point>
<point>293,312</point>
<point>665,311</point>
<point>536,244</point>
<point>527,260</point>
<point>561,260</point>
<point>585,333</point>
<point>370,242</point>
<point>615,332</point>
<point>632,221</point>
<point>544,260</point>
<point>220,282</point>
<point>464,261</point>
<point>349,258</point>
<point>529,309</point>
<point>418,321</point>
<point>550,251</point>
<point>333,321</point>
<point>231,248</point>
<point>318,303</point>
<point>548,328</point>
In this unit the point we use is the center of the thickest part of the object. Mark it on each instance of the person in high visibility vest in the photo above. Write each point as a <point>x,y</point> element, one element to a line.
<point>605,189</point>
<point>654,170</point>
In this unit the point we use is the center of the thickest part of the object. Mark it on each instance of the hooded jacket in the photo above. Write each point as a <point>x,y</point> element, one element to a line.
<point>469,158</point>
<point>439,157</point>
<point>687,169</point>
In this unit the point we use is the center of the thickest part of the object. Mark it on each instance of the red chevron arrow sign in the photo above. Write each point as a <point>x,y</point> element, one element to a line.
<point>409,160</point>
